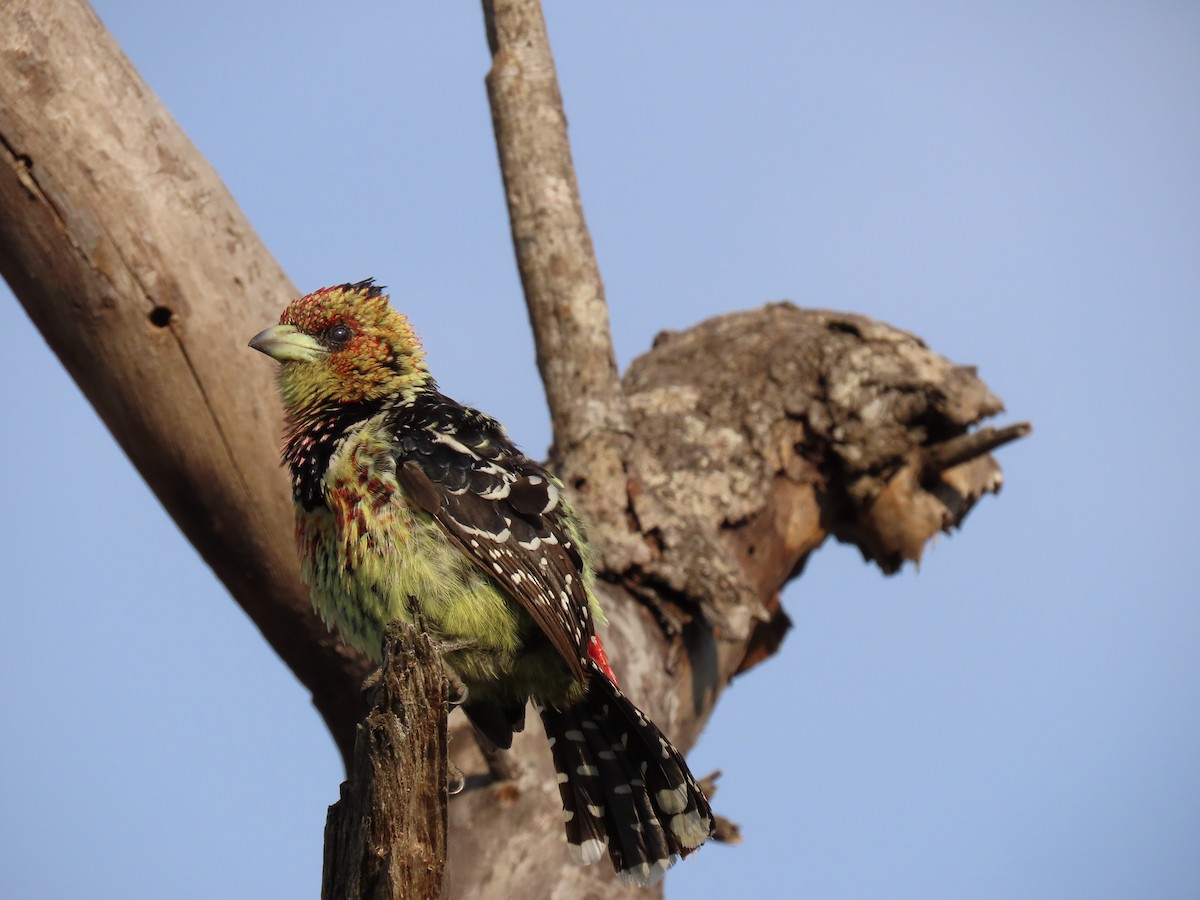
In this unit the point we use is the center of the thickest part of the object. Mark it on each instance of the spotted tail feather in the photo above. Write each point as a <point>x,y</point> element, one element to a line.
<point>623,785</point>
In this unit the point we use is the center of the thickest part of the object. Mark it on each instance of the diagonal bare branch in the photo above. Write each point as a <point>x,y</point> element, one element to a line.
<point>140,270</point>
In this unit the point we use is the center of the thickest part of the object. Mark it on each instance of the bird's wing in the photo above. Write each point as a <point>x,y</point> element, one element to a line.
<point>503,510</point>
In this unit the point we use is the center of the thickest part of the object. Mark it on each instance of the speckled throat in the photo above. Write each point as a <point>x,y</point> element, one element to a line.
<point>310,442</point>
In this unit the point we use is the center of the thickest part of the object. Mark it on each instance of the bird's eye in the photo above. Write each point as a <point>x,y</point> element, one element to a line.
<point>338,334</point>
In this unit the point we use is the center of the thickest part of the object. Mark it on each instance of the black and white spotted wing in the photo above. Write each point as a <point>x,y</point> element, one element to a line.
<point>501,508</point>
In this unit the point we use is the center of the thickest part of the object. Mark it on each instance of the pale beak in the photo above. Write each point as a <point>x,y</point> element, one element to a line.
<point>284,343</point>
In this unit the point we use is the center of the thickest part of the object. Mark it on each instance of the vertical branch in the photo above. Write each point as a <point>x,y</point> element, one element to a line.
<point>386,836</point>
<point>559,274</point>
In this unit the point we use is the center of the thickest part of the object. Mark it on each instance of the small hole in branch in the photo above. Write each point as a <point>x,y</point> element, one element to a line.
<point>160,316</point>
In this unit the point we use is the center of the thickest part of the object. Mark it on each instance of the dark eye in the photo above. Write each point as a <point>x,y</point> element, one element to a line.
<point>338,334</point>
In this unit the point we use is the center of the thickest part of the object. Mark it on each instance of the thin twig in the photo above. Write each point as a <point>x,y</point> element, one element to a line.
<point>966,447</point>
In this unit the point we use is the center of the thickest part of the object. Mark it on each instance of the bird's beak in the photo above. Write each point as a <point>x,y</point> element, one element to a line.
<point>284,343</point>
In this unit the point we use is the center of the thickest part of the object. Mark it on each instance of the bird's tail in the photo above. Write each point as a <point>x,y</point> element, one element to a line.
<point>623,785</point>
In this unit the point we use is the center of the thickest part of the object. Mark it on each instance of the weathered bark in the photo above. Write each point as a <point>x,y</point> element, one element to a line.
<point>724,457</point>
<point>138,268</point>
<point>559,275</point>
<point>385,839</point>
<point>772,430</point>
<point>728,454</point>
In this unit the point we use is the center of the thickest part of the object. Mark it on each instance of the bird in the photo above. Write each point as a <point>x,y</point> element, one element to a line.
<point>407,500</point>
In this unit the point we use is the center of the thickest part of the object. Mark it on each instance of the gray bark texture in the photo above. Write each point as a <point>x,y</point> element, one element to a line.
<point>135,263</point>
<point>708,473</point>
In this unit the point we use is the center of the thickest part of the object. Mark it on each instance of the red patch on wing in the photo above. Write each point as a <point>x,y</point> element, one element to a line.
<point>599,657</point>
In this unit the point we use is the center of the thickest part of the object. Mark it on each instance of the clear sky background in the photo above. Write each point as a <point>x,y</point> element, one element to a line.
<point>1017,183</point>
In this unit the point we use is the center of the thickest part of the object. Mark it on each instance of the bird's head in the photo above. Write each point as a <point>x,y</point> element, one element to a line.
<point>341,345</point>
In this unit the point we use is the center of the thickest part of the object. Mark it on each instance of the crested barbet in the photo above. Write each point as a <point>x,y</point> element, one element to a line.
<point>406,499</point>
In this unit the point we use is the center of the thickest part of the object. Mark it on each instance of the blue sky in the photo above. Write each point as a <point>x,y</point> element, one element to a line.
<point>1017,183</point>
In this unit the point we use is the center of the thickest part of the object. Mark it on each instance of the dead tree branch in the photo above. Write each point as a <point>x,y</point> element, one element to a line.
<point>385,839</point>
<point>726,455</point>
<point>966,447</point>
<point>138,268</point>
<point>772,430</point>
<point>563,290</point>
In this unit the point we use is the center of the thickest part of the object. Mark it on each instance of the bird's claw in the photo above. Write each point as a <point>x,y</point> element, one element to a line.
<point>457,690</point>
<point>372,680</point>
<point>455,780</point>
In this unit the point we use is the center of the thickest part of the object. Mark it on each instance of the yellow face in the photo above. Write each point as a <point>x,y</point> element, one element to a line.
<point>342,344</point>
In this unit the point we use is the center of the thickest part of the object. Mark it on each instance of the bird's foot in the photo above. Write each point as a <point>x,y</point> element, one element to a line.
<point>457,690</point>
<point>445,647</point>
<point>455,780</point>
<point>371,681</point>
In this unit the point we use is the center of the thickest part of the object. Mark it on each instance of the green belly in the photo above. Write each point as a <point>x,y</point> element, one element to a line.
<point>370,566</point>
